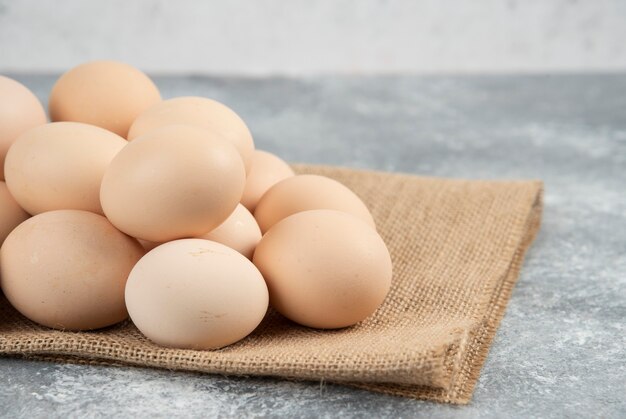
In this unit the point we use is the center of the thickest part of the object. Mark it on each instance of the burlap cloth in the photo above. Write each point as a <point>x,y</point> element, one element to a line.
<point>457,248</point>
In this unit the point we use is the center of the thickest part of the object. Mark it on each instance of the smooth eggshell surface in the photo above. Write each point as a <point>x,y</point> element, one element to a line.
<point>67,269</point>
<point>20,111</point>
<point>307,192</point>
<point>201,112</point>
<point>195,294</point>
<point>60,166</point>
<point>176,181</point>
<point>324,268</point>
<point>11,214</point>
<point>108,94</point>
<point>240,232</point>
<point>266,170</point>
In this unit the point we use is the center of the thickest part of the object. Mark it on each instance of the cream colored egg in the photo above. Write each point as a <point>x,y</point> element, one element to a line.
<point>307,192</point>
<point>108,94</point>
<point>201,112</point>
<point>60,166</point>
<point>266,170</point>
<point>195,294</point>
<point>240,232</point>
<point>176,181</point>
<point>324,268</point>
<point>11,214</point>
<point>20,111</point>
<point>67,269</point>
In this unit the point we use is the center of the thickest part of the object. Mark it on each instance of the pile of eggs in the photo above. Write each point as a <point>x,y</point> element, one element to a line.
<point>162,210</point>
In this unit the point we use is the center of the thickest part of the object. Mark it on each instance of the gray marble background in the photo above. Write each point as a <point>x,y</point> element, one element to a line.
<point>313,37</point>
<point>560,350</point>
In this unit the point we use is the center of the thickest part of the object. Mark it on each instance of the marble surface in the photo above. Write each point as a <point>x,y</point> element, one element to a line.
<point>561,348</point>
<point>313,37</point>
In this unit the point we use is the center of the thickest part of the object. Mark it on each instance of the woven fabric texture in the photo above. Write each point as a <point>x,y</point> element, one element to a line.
<point>457,248</point>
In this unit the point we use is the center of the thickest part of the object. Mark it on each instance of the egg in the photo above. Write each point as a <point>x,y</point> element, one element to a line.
<point>20,111</point>
<point>195,294</point>
<point>201,112</point>
<point>11,214</point>
<point>240,232</point>
<point>67,269</point>
<point>60,166</point>
<point>265,171</point>
<point>175,182</point>
<point>324,268</point>
<point>307,192</point>
<point>108,94</point>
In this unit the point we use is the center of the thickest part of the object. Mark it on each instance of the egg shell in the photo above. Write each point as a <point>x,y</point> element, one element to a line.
<point>195,294</point>
<point>67,269</point>
<point>60,166</point>
<point>324,268</point>
<point>307,192</point>
<point>266,170</point>
<point>108,94</point>
<point>20,111</point>
<point>175,182</point>
<point>239,232</point>
<point>201,112</point>
<point>11,214</point>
